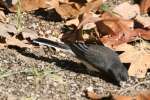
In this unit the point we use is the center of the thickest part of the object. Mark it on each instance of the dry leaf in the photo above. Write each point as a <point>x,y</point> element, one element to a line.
<point>67,10</point>
<point>2,46</point>
<point>27,33</point>
<point>145,34</point>
<point>64,1</point>
<point>122,98</point>
<point>2,16</point>
<point>89,26</point>
<point>145,21</point>
<point>139,59</point>
<point>88,0</point>
<point>29,5</point>
<point>143,96</point>
<point>144,6</point>
<point>92,95</point>
<point>115,30</point>
<point>73,22</point>
<point>6,30</point>
<point>126,10</point>
<point>76,9</point>
<point>117,25</point>
<point>86,17</point>
<point>130,35</point>
<point>16,42</point>
<point>94,5</point>
<point>89,93</point>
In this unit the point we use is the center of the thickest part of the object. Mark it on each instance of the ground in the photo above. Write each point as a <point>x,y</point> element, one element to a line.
<point>27,74</point>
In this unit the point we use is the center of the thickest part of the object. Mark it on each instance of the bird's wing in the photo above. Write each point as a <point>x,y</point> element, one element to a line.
<point>99,56</point>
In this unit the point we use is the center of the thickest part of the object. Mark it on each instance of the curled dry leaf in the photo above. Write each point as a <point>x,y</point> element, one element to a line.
<point>6,31</point>
<point>127,11</point>
<point>2,16</point>
<point>89,93</point>
<point>68,10</point>
<point>113,41</point>
<point>116,24</point>
<point>145,21</point>
<point>143,96</point>
<point>28,33</point>
<point>2,46</point>
<point>76,8</point>
<point>73,22</point>
<point>29,5</point>
<point>138,57</point>
<point>91,6</point>
<point>16,42</point>
<point>115,30</point>
<point>92,95</point>
<point>64,1</point>
<point>145,34</point>
<point>123,98</point>
<point>88,18</point>
<point>144,6</point>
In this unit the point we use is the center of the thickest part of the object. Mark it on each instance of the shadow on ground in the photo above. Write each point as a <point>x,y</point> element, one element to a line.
<point>64,64</point>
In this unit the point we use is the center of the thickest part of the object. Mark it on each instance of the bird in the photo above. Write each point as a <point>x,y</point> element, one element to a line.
<point>97,58</point>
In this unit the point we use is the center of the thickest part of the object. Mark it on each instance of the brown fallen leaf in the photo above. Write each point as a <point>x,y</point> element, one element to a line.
<point>7,30</point>
<point>138,57</point>
<point>112,29</point>
<point>68,10</point>
<point>127,10</point>
<point>94,96</point>
<point>131,35</point>
<point>143,33</point>
<point>77,8</point>
<point>144,6</point>
<point>144,20</point>
<point>123,98</point>
<point>116,25</point>
<point>91,6</point>
<point>29,5</point>
<point>2,15</point>
<point>87,18</point>
<point>28,34</point>
<point>143,96</point>
<point>16,42</point>
<point>115,30</point>
<point>73,22</point>
<point>2,46</point>
<point>89,25</point>
<point>90,94</point>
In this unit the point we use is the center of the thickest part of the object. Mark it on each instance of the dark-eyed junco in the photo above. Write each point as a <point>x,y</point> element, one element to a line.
<point>95,57</point>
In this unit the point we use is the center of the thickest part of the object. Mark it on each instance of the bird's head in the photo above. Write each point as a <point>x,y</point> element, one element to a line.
<point>118,72</point>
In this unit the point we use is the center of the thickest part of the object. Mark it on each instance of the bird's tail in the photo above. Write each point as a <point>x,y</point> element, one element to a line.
<point>50,43</point>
